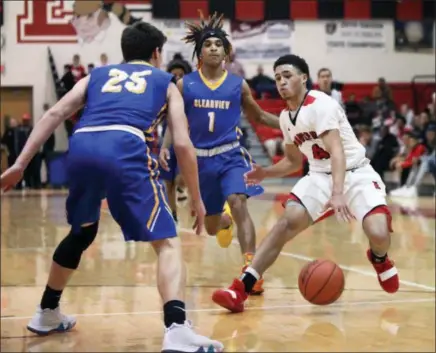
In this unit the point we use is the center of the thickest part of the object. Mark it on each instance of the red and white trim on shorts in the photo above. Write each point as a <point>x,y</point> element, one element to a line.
<point>380,209</point>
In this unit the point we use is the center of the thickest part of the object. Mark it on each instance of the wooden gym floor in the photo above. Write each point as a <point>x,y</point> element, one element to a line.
<point>118,309</point>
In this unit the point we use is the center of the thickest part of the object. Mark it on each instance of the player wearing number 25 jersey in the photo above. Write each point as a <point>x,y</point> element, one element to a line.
<point>109,158</point>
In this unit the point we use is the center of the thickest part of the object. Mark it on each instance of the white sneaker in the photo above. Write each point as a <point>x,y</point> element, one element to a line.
<point>398,192</point>
<point>50,320</point>
<point>182,338</point>
<point>411,191</point>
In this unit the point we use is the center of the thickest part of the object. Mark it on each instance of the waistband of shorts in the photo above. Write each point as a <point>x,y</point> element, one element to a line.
<point>216,150</point>
<point>126,128</point>
<point>360,165</point>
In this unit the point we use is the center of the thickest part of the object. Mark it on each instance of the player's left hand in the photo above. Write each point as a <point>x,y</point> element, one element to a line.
<point>339,204</point>
<point>164,157</point>
<point>11,177</point>
<point>255,175</point>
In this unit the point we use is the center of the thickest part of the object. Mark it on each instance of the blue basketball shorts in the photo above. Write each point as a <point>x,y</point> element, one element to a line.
<point>222,175</point>
<point>118,166</point>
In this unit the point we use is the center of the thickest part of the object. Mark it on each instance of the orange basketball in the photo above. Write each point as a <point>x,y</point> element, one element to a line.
<point>321,282</point>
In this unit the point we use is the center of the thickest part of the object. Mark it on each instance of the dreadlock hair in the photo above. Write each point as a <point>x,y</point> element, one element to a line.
<point>199,32</point>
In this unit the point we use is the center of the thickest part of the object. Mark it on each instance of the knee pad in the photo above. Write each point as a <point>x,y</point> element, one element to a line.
<point>70,249</point>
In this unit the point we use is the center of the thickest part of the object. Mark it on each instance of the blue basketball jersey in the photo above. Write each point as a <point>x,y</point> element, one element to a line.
<point>131,94</point>
<point>213,109</point>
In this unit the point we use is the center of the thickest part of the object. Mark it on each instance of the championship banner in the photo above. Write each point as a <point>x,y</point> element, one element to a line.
<point>414,36</point>
<point>263,40</point>
<point>356,35</point>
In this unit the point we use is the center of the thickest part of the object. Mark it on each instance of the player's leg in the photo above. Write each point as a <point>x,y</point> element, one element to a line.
<point>139,205</point>
<point>83,213</point>
<point>304,205</point>
<point>170,184</point>
<point>367,193</point>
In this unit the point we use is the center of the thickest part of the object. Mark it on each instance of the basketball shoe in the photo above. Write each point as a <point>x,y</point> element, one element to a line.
<point>231,298</point>
<point>258,287</point>
<point>182,338</point>
<point>387,273</point>
<point>224,236</point>
<point>46,321</point>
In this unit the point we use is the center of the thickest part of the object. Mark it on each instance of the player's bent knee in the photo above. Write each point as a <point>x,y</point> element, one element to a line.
<point>212,224</point>
<point>169,244</point>
<point>70,249</point>
<point>237,203</point>
<point>377,224</point>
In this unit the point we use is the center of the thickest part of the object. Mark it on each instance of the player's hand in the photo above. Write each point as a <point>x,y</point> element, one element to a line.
<point>255,175</point>
<point>339,205</point>
<point>164,157</point>
<point>199,212</point>
<point>11,177</point>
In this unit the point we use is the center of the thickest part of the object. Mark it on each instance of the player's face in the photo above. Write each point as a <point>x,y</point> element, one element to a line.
<point>178,73</point>
<point>212,52</point>
<point>325,79</point>
<point>289,81</point>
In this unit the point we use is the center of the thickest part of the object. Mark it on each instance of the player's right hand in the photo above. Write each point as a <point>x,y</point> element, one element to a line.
<point>11,177</point>
<point>255,175</point>
<point>339,204</point>
<point>164,157</point>
<point>199,212</point>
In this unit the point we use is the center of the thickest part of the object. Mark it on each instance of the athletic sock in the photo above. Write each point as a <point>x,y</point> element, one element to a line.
<point>50,298</point>
<point>174,313</point>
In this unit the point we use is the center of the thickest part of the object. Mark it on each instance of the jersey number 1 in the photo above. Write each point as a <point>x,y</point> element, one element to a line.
<point>211,121</point>
<point>136,84</point>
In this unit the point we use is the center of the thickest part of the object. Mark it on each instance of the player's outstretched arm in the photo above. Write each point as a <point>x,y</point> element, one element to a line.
<point>290,164</point>
<point>253,111</point>
<point>61,111</point>
<point>185,152</point>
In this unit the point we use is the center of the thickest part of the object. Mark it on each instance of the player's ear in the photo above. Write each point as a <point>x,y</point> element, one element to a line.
<point>304,78</point>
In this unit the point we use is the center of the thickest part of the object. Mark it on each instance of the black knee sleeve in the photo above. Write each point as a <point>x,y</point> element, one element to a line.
<point>70,249</point>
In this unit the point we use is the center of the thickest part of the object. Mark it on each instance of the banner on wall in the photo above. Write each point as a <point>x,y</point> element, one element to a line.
<point>354,35</point>
<point>265,40</point>
<point>414,36</point>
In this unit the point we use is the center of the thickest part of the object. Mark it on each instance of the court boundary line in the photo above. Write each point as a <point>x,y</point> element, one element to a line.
<point>250,308</point>
<point>344,267</point>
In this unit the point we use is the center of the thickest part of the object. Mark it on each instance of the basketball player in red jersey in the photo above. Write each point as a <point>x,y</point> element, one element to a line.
<point>341,181</point>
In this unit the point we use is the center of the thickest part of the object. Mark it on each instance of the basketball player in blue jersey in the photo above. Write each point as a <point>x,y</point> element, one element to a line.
<point>214,99</point>
<point>108,157</point>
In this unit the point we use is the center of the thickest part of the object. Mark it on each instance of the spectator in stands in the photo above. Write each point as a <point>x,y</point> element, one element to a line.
<point>10,139</point>
<point>386,147</point>
<point>354,111</point>
<point>398,128</point>
<point>234,66</point>
<point>263,84</point>
<point>77,69</point>
<point>67,81</point>
<point>414,151</point>
<point>422,122</point>
<point>103,60</point>
<point>367,139</point>
<point>382,90</point>
<point>274,144</point>
<point>325,80</point>
<point>407,113</point>
<point>382,95</point>
<point>180,62</point>
<point>369,109</point>
<point>420,166</point>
